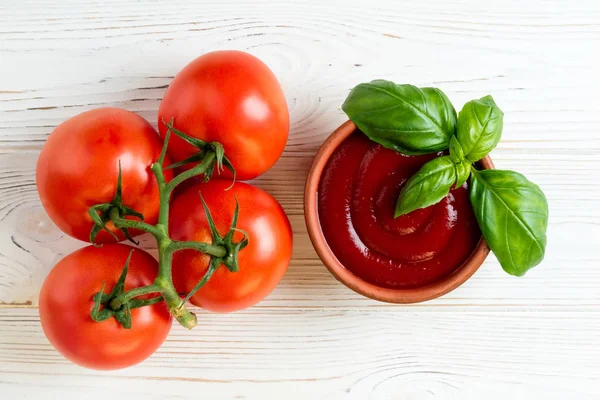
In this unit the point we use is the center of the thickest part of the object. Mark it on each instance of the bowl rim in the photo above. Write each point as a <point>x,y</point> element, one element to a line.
<point>389,295</point>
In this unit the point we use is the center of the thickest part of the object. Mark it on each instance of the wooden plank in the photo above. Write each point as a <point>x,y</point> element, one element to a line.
<point>354,354</point>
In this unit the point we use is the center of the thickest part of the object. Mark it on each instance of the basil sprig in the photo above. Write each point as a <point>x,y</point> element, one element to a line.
<point>512,211</point>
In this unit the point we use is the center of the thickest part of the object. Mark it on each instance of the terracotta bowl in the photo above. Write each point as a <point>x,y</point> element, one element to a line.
<point>413,295</point>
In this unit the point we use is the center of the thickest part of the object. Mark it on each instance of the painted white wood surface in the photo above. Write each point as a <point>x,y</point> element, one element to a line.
<point>495,337</point>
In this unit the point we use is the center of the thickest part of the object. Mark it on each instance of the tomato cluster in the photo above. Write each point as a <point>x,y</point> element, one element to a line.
<point>106,175</point>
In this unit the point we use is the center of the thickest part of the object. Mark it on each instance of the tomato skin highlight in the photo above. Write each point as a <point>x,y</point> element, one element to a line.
<point>79,166</point>
<point>262,263</point>
<point>66,300</point>
<point>233,98</point>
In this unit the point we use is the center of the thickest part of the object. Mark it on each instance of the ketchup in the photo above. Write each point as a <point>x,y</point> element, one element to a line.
<point>357,197</point>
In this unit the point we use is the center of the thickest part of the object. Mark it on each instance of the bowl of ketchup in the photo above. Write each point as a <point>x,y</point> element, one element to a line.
<point>349,202</point>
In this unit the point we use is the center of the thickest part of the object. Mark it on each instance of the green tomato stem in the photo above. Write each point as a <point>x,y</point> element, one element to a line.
<point>166,246</point>
<point>206,248</point>
<point>137,303</point>
<point>209,158</point>
<point>118,301</point>
<point>165,195</point>
<point>164,280</point>
<point>131,224</point>
<point>219,250</point>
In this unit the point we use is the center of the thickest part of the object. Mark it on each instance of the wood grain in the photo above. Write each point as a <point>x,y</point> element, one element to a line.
<point>423,355</point>
<point>494,337</point>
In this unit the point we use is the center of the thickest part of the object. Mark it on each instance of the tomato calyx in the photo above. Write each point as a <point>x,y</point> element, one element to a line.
<point>118,303</point>
<point>100,214</point>
<point>230,258</point>
<point>204,149</point>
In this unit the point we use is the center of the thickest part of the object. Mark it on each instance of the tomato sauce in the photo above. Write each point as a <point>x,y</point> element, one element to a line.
<point>357,197</point>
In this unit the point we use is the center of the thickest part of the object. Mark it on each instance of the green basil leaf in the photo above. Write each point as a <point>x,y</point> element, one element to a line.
<point>403,118</point>
<point>428,186</point>
<point>463,170</point>
<point>456,151</point>
<point>479,127</point>
<point>513,216</point>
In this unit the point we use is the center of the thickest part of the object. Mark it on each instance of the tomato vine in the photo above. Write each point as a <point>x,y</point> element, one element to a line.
<point>223,250</point>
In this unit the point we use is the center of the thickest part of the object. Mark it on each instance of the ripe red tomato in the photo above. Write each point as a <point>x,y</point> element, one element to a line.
<point>233,98</point>
<point>79,166</point>
<point>262,263</point>
<point>66,301</point>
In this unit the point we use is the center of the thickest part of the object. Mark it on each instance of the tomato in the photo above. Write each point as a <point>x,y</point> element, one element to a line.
<point>233,98</point>
<point>79,166</point>
<point>66,301</point>
<point>262,263</point>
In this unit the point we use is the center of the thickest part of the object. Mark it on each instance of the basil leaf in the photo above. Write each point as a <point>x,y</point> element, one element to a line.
<point>403,118</point>
<point>456,151</point>
<point>479,127</point>
<point>513,215</point>
<point>428,186</point>
<point>463,170</point>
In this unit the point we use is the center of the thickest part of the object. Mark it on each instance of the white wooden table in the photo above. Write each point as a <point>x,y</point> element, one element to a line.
<point>495,337</point>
